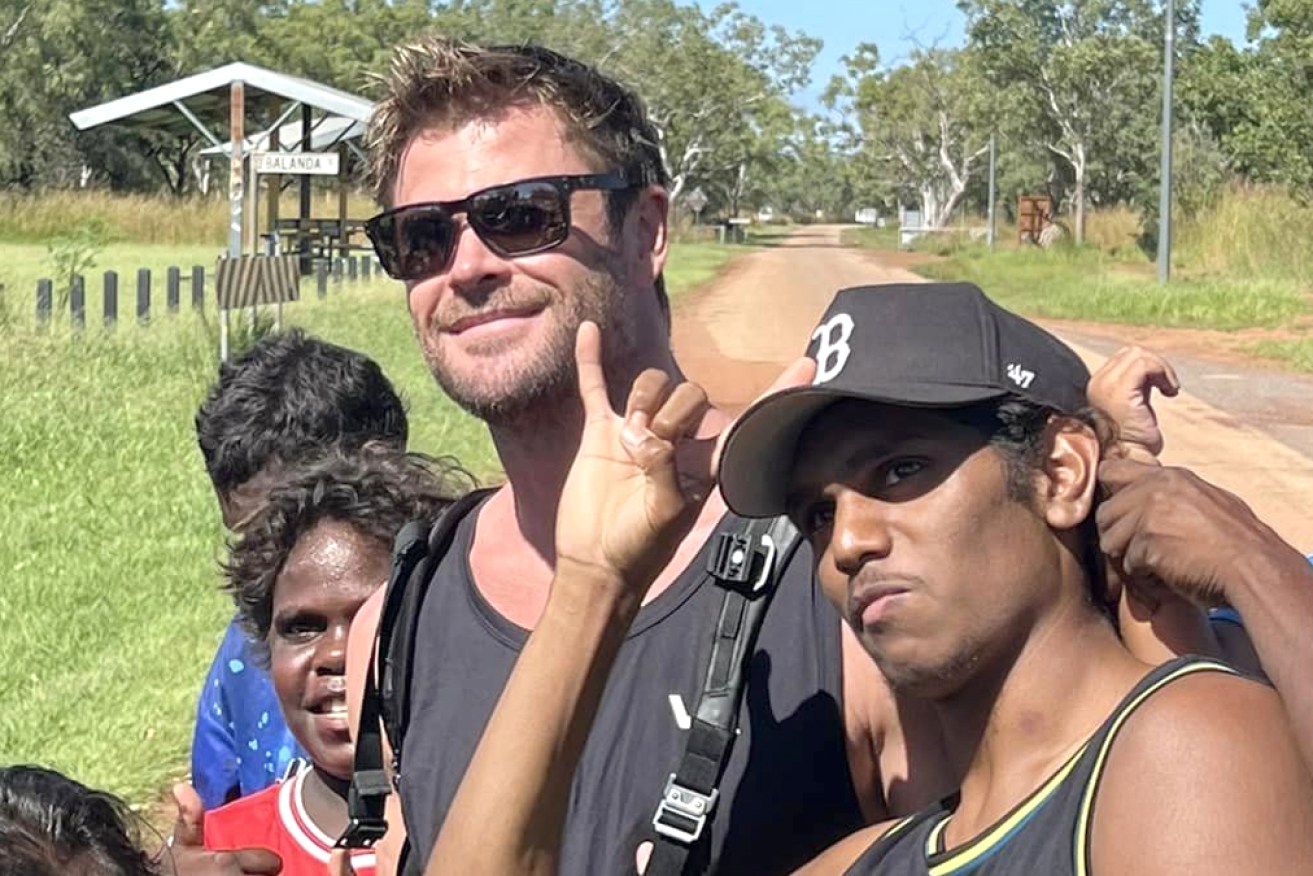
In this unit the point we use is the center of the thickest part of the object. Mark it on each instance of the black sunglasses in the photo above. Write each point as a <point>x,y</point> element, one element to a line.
<point>520,218</point>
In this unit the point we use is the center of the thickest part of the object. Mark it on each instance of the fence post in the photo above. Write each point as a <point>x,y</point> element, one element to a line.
<point>321,277</point>
<point>45,300</point>
<point>353,268</point>
<point>111,298</point>
<point>77,302</point>
<point>198,287</point>
<point>338,267</point>
<point>366,266</point>
<point>143,295</point>
<point>173,288</point>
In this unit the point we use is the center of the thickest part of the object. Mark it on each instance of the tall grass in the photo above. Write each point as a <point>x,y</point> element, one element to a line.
<point>1115,231</point>
<point>1250,232</point>
<point>1244,261</point>
<point>148,219</point>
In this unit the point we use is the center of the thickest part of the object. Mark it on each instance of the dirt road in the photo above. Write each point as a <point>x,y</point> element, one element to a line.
<point>735,336</point>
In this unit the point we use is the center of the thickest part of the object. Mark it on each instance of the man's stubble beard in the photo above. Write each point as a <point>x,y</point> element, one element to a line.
<point>931,679</point>
<point>534,392</point>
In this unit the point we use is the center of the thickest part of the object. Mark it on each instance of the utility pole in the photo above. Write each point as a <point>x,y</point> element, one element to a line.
<point>993,187</point>
<point>1165,183</point>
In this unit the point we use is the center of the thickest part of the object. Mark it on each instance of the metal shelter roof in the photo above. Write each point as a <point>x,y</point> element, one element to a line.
<point>324,134</point>
<point>201,102</point>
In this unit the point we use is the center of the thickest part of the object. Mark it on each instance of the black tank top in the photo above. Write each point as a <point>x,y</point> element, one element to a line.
<point>1047,833</point>
<point>787,791</point>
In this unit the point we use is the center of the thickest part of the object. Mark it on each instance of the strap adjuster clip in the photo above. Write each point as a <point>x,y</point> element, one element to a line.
<point>737,561</point>
<point>362,833</point>
<point>683,812</point>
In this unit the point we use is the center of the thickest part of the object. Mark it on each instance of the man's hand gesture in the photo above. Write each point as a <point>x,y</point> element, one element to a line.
<point>638,480</point>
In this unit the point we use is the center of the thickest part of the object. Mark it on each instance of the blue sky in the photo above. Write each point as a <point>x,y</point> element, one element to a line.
<point>896,25</point>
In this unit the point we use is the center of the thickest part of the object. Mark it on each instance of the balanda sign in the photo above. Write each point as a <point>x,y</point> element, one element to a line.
<point>317,163</point>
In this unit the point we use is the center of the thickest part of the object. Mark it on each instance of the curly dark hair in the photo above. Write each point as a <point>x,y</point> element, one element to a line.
<point>291,397</point>
<point>51,825</point>
<point>376,491</point>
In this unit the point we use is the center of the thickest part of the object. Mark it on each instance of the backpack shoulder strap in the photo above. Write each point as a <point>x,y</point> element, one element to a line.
<point>745,562</point>
<point>385,706</point>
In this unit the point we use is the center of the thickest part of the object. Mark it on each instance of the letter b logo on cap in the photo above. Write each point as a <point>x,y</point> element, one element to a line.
<point>832,351</point>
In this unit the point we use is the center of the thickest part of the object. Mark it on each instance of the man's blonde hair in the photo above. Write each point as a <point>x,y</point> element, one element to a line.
<point>437,82</point>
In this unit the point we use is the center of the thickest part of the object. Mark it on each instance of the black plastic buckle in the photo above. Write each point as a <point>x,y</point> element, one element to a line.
<point>731,561</point>
<point>741,565</point>
<point>367,825</point>
<point>362,833</point>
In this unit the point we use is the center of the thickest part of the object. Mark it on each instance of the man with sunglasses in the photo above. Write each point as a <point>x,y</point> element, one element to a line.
<point>526,194</point>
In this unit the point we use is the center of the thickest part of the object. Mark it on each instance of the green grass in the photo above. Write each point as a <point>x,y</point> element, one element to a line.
<point>23,264</point>
<point>871,238</point>
<point>691,265</point>
<point>110,610</point>
<point>1297,354</point>
<point>1070,283</point>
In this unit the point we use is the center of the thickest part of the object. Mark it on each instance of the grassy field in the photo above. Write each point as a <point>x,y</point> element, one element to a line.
<point>872,238</point>
<point>1296,354</point>
<point>119,218</point>
<point>109,609</point>
<point>23,264</point>
<point>1071,283</point>
<point>1242,263</point>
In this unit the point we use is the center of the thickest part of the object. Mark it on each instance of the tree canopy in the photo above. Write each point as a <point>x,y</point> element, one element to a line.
<point>1071,89</point>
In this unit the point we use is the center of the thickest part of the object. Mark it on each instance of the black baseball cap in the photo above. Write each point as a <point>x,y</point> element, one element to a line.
<point>924,345</point>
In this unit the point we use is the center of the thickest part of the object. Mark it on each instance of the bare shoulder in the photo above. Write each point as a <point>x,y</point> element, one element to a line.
<point>1211,762</point>
<point>838,858</point>
<point>1202,712</point>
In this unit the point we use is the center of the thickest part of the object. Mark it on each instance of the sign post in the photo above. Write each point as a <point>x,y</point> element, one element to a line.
<point>237,129</point>
<point>697,202</point>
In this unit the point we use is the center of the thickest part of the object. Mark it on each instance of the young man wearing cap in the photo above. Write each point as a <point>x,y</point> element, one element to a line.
<point>944,468</point>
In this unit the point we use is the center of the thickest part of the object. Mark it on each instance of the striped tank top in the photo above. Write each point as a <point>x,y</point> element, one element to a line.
<point>1046,833</point>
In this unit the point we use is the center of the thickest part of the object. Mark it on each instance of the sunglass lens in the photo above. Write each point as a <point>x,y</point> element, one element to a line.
<point>426,239</point>
<point>521,218</point>
<point>414,244</point>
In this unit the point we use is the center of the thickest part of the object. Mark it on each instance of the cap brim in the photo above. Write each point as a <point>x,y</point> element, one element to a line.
<point>759,451</point>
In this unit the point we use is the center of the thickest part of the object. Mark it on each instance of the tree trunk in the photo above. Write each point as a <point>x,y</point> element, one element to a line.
<point>929,206</point>
<point>1079,166</point>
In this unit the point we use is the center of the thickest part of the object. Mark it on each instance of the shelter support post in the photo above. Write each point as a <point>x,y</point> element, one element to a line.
<point>307,144</point>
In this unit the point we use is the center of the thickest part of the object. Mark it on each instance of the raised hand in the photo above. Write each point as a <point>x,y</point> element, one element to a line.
<point>186,855</point>
<point>1170,525</point>
<point>638,480</point>
<point>1123,389</point>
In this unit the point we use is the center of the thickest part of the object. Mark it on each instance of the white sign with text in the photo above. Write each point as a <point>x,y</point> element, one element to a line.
<point>317,163</point>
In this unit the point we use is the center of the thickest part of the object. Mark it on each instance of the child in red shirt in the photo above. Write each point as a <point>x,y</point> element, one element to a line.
<point>276,819</point>
<point>321,545</point>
